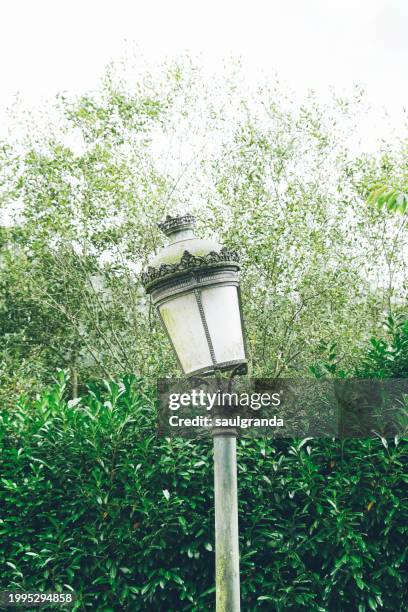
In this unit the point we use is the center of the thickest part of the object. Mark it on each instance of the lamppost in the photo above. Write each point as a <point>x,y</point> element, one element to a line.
<point>194,285</point>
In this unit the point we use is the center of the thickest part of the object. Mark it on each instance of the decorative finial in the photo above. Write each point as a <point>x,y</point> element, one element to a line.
<point>175,224</point>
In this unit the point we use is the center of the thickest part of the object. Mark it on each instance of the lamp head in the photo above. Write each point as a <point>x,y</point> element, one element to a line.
<point>194,285</point>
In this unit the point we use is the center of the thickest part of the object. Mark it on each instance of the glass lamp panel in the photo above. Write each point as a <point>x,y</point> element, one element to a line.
<point>221,309</point>
<point>182,319</point>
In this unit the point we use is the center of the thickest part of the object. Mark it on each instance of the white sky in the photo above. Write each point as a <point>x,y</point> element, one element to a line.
<point>48,46</point>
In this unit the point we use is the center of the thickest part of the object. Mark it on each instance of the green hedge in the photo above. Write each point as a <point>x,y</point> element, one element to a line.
<point>92,499</point>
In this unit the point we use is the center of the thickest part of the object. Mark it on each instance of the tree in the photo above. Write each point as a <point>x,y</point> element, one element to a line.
<point>272,177</point>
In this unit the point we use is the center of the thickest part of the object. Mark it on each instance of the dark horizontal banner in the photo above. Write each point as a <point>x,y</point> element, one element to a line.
<point>283,407</point>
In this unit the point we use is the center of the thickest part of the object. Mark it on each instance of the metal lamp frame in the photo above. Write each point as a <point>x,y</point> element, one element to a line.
<point>190,277</point>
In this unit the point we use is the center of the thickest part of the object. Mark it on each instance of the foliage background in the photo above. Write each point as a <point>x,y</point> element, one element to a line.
<point>281,179</point>
<point>90,498</point>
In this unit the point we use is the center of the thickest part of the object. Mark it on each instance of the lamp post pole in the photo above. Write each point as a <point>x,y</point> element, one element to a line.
<point>226,523</point>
